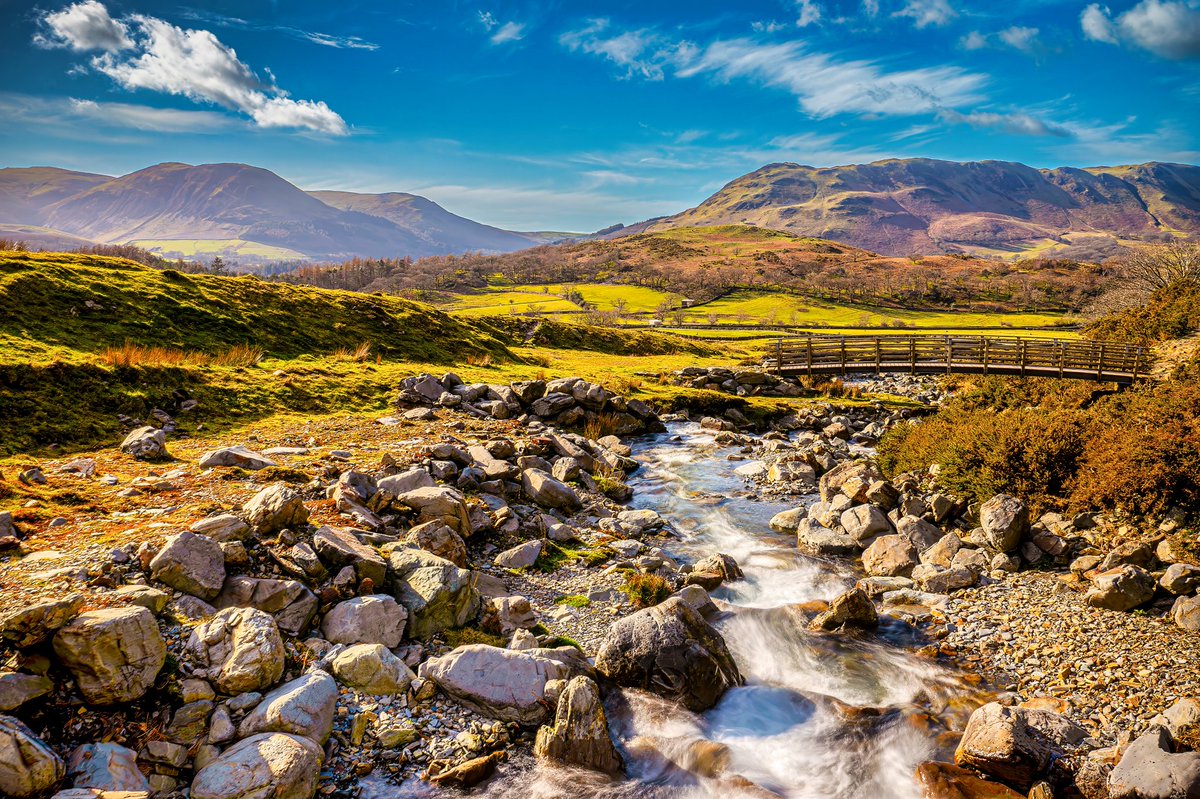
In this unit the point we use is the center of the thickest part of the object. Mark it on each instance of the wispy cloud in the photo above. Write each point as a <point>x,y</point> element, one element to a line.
<point>155,55</point>
<point>1018,37</point>
<point>1167,28</point>
<point>323,39</point>
<point>63,112</point>
<point>809,13</point>
<point>825,85</point>
<point>1016,123</point>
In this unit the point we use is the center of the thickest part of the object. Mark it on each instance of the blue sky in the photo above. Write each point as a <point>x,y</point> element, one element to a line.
<point>576,115</point>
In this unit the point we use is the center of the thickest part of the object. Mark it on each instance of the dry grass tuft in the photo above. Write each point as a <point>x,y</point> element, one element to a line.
<point>479,360</point>
<point>129,354</point>
<point>357,355</point>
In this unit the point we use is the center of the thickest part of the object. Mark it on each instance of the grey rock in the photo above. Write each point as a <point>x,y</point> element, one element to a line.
<point>289,601</point>
<point>267,766</point>
<point>890,556</point>
<point>440,503</point>
<point>190,563</point>
<point>304,706</point>
<point>1122,588</point>
<point>28,767</point>
<point>16,689</point>
<point>1005,520</point>
<point>1180,579</point>
<point>223,527</point>
<point>814,539</point>
<point>671,650</point>
<point>274,508</point>
<point>548,492</point>
<point>1150,770</point>
<point>579,735</point>
<point>522,556</point>
<point>238,650</point>
<point>437,594</point>
<point>29,626</point>
<point>372,669</point>
<point>1016,745</point>
<point>146,444</point>
<point>339,546</point>
<point>238,456</point>
<point>864,523</point>
<point>114,654</point>
<point>105,767</point>
<point>375,619</point>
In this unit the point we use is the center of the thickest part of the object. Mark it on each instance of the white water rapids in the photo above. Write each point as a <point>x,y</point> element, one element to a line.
<point>822,715</point>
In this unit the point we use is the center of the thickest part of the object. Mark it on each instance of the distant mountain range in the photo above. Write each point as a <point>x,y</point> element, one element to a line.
<point>901,207</point>
<point>895,207</point>
<point>235,209</point>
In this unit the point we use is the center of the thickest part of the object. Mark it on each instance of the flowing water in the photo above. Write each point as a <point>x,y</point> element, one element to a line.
<point>822,715</point>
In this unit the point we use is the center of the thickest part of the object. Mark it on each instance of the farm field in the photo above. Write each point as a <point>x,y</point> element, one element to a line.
<point>187,248</point>
<point>750,307</point>
<point>765,335</point>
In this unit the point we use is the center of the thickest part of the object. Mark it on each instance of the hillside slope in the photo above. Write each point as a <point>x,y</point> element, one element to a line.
<point>899,207</point>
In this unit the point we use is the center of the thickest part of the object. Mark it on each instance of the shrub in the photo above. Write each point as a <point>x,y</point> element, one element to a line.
<point>645,590</point>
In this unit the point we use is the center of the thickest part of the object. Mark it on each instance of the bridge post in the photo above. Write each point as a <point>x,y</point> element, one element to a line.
<point>949,355</point>
<point>912,355</point>
<point>878,355</point>
<point>843,356</point>
<point>1137,362</point>
<point>810,354</point>
<point>779,356</point>
<point>985,354</point>
<point>1024,356</point>
<point>1100,362</point>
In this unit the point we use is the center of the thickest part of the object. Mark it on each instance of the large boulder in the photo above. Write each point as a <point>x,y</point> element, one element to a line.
<point>503,684</point>
<point>274,508</point>
<point>1149,769</point>
<point>27,766</point>
<point>947,781</point>
<point>267,766</point>
<point>238,650</point>
<point>548,492</point>
<point>865,523</point>
<point>304,706</point>
<point>145,443</point>
<point>289,601</point>
<point>442,504</point>
<point>372,669</point>
<point>105,767</point>
<point>404,482</point>
<point>375,619</point>
<point>814,539</point>
<point>920,533</point>
<point>1180,579</point>
<point>670,650</point>
<point>833,480</point>
<point>1186,612</point>
<point>239,456</point>
<point>788,521</point>
<point>114,654</point>
<point>339,546</point>
<point>441,540</point>
<point>1005,520</point>
<point>852,609</point>
<point>579,735</point>
<point>522,556</point>
<point>437,594</point>
<point>1122,588</point>
<point>191,563</point>
<point>1014,744</point>
<point>890,556</point>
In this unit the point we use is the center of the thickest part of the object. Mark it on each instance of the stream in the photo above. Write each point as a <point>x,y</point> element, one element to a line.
<point>821,716</point>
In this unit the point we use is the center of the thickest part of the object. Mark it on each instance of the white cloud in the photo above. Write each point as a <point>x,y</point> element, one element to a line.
<point>1167,28</point>
<point>826,86</point>
<point>764,26</point>
<point>1020,38</point>
<point>871,8</point>
<point>637,51</point>
<point>323,39</point>
<point>65,113</point>
<point>488,20</point>
<point>328,40</point>
<point>809,13</point>
<point>84,26</point>
<point>1017,124</point>
<point>973,41</point>
<point>197,65</point>
<point>927,12</point>
<point>509,32</point>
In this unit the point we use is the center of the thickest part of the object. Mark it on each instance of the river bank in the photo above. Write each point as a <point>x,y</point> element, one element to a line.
<point>513,551</point>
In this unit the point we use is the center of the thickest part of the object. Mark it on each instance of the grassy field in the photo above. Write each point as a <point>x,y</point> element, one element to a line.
<point>504,297</point>
<point>767,335</point>
<point>751,307</point>
<point>189,248</point>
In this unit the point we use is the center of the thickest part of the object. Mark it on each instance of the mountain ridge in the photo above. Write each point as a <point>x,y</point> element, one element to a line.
<point>919,205</point>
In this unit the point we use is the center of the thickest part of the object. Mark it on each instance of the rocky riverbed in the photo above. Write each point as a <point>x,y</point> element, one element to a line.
<point>452,592</point>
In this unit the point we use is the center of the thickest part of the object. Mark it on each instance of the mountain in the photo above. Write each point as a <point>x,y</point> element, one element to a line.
<point>900,207</point>
<point>241,210</point>
<point>428,220</point>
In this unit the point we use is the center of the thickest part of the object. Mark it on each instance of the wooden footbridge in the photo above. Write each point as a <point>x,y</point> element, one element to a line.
<point>1076,359</point>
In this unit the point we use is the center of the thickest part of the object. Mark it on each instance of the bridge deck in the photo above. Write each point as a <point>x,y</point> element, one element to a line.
<point>1101,361</point>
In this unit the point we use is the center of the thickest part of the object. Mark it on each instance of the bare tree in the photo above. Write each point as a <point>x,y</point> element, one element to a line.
<point>1160,265</point>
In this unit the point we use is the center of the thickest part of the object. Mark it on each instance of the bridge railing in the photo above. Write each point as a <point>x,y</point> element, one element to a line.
<point>1098,360</point>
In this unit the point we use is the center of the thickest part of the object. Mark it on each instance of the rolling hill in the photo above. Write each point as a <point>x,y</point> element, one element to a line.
<point>199,209</point>
<point>900,207</point>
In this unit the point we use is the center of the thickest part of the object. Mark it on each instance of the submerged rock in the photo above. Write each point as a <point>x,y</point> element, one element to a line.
<point>579,735</point>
